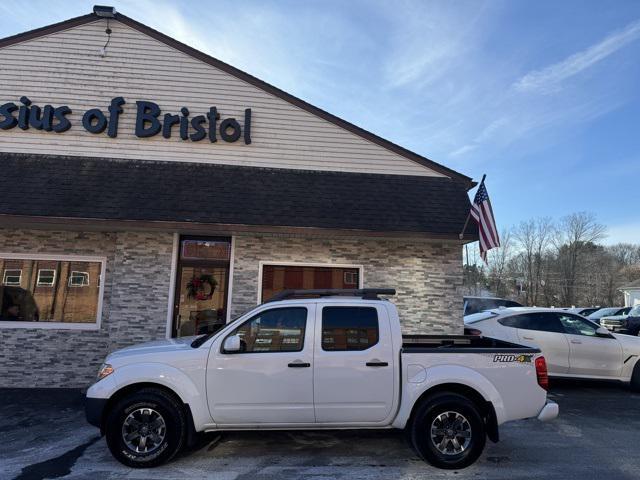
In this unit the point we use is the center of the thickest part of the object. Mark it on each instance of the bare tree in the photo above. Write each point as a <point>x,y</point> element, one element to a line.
<point>498,260</point>
<point>573,234</point>
<point>533,238</point>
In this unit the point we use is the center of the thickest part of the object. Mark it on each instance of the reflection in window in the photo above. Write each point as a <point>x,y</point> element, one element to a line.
<point>275,330</point>
<point>12,277</point>
<point>46,277</point>
<point>349,328</point>
<point>79,279</point>
<point>577,326</point>
<point>46,290</point>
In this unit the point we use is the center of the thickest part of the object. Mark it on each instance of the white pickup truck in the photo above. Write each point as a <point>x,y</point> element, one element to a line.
<point>317,360</point>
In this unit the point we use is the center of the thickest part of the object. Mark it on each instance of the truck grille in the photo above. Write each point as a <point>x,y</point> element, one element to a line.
<point>612,323</point>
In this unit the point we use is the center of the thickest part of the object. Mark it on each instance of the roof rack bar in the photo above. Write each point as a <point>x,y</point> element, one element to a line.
<point>365,293</point>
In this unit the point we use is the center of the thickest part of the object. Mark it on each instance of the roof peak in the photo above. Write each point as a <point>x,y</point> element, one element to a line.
<point>108,12</point>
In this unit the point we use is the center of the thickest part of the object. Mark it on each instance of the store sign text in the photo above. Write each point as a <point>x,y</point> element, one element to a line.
<point>149,121</point>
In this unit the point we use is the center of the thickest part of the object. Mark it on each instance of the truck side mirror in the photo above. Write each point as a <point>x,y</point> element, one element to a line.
<point>603,332</point>
<point>232,344</point>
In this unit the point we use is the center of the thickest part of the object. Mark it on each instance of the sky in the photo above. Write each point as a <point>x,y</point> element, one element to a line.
<point>543,97</point>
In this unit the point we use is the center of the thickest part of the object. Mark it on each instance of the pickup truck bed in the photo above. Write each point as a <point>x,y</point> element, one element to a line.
<point>460,343</point>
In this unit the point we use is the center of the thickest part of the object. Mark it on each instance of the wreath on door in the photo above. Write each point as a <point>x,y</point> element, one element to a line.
<point>201,287</point>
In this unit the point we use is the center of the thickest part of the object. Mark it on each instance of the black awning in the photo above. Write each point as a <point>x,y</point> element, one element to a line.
<point>116,189</point>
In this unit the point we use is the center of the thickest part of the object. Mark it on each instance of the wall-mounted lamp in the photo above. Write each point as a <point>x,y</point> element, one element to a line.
<point>104,11</point>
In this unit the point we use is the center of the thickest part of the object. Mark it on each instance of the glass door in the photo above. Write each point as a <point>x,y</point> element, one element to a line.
<point>201,286</point>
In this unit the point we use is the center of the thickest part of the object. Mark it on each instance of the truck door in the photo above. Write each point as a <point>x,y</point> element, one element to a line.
<point>354,364</point>
<point>270,381</point>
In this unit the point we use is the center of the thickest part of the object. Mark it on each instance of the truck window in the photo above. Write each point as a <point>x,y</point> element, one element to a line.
<point>349,328</point>
<point>275,330</point>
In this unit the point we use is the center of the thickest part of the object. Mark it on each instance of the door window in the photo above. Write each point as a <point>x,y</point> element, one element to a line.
<point>201,286</point>
<point>577,326</point>
<point>275,330</point>
<point>349,328</point>
<point>540,321</point>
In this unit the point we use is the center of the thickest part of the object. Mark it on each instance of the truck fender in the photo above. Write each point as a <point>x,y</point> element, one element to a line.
<point>170,377</point>
<point>420,383</point>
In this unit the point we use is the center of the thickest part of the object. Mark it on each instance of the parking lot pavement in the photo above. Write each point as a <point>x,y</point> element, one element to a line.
<point>44,435</point>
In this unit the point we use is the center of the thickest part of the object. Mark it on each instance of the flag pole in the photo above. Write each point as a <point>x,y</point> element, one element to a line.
<point>466,222</point>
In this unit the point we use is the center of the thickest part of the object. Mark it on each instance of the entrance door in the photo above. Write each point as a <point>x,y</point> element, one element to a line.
<point>201,286</point>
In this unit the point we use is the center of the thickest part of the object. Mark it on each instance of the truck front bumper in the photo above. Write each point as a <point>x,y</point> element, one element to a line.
<point>93,409</point>
<point>549,411</point>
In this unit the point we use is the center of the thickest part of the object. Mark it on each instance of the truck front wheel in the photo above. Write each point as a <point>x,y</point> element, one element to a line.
<point>145,428</point>
<point>447,431</point>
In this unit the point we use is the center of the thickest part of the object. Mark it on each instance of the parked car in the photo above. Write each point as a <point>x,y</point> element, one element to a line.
<point>572,345</point>
<point>316,363</point>
<point>628,323</point>
<point>584,311</point>
<point>607,312</point>
<point>479,304</point>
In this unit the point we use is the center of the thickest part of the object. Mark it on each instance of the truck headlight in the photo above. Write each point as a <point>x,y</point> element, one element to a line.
<point>105,371</point>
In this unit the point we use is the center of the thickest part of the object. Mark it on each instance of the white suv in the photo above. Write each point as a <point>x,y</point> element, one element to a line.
<point>572,345</point>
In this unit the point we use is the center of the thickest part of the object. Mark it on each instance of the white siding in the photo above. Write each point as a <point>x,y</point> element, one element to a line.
<point>65,68</point>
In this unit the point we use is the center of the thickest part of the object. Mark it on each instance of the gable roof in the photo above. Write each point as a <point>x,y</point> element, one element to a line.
<point>250,79</point>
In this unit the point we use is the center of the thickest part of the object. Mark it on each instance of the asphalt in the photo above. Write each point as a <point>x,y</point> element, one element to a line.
<point>43,435</point>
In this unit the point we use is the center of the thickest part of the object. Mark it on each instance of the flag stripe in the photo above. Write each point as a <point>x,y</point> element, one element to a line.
<point>482,213</point>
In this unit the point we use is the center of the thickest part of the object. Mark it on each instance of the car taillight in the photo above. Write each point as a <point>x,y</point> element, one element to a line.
<point>541,373</point>
<point>472,331</point>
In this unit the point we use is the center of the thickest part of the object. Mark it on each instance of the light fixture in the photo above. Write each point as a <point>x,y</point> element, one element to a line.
<point>104,11</point>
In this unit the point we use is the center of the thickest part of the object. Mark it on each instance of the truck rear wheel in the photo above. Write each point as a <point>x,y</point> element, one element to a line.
<point>447,431</point>
<point>146,428</point>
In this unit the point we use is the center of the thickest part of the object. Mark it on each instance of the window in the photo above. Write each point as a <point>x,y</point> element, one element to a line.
<point>12,277</point>
<point>79,279</point>
<point>276,278</point>
<point>349,328</point>
<point>540,321</point>
<point>46,277</point>
<point>43,289</point>
<point>577,326</point>
<point>275,330</point>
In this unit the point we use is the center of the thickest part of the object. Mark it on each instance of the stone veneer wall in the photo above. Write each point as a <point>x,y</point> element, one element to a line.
<point>426,275</point>
<point>134,306</point>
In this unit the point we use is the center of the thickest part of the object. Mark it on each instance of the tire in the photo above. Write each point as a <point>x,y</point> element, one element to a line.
<point>150,421</point>
<point>448,413</point>
<point>635,378</point>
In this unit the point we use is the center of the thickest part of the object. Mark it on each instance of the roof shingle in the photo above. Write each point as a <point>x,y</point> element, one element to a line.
<point>114,189</point>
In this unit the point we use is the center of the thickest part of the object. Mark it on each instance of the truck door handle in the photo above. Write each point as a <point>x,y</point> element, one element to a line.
<point>377,364</point>
<point>299,365</point>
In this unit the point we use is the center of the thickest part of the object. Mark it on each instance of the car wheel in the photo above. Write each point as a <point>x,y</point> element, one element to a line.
<point>447,431</point>
<point>146,428</point>
<point>635,378</point>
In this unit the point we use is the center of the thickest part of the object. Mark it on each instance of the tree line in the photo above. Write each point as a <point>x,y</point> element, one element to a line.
<point>561,263</point>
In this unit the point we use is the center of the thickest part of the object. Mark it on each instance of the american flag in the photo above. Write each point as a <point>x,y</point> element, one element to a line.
<point>482,213</point>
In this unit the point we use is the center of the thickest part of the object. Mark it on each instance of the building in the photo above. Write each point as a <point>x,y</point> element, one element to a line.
<point>152,191</point>
<point>631,293</point>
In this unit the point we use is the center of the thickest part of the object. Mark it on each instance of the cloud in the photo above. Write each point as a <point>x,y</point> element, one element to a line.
<point>549,78</point>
